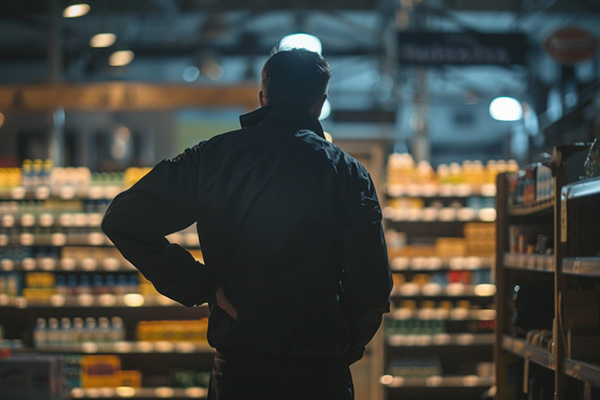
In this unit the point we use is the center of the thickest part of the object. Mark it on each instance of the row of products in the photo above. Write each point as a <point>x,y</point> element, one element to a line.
<point>442,278</point>
<point>428,366</point>
<point>529,185</point>
<point>403,170</point>
<point>415,367</point>
<point>38,172</point>
<point>40,236</point>
<point>416,326</point>
<point>173,330</point>
<point>105,371</point>
<point>51,212</point>
<point>43,285</point>
<point>65,258</point>
<point>77,236</point>
<point>410,209</point>
<point>460,310</point>
<point>527,240</point>
<point>72,331</point>
<point>479,241</point>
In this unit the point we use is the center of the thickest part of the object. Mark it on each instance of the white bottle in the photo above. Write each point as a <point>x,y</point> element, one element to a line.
<point>40,333</point>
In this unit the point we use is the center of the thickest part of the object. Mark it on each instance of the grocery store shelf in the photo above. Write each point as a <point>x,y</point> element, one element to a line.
<point>440,263</point>
<point>583,371</point>
<point>433,215</point>
<point>441,191</point>
<point>532,262</point>
<point>585,266</point>
<point>48,219</point>
<point>521,348</point>
<point>537,207</point>
<point>451,381</point>
<point>139,393</point>
<point>434,290</point>
<point>441,339</point>
<point>142,347</point>
<point>94,192</point>
<point>88,300</point>
<point>440,314</point>
<point>67,264</point>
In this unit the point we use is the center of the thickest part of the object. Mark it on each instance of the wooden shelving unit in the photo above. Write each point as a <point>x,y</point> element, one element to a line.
<point>524,281</point>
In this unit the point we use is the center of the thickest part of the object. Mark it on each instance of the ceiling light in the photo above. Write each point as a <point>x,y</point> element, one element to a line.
<point>506,109</point>
<point>120,58</point>
<point>190,74</point>
<point>103,40</point>
<point>211,68</point>
<point>301,41</point>
<point>76,10</point>
<point>326,110</point>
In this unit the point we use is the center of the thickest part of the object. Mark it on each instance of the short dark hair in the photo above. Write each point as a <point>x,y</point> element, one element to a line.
<point>295,76</point>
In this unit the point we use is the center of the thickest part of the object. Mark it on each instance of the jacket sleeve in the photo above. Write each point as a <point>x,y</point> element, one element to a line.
<point>138,220</point>
<point>366,279</point>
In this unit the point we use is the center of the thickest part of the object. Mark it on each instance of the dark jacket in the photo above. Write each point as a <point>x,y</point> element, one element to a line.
<point>289,225</point>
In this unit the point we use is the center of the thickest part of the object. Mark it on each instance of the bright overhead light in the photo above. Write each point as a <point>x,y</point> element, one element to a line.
<point>326,110</point>
<point>120,58</point>
<point>506,109</point>
<point>76,10</point>
<point>301,41</point>
<point>103,40</point>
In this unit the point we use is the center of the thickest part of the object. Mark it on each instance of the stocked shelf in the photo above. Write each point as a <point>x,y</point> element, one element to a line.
<point>528,351</point>
<point>586,266</point>
<point>442,215</point>
<point>139,393</point>
<point>440,263</point>
<point>442,191</point>
<point>534,262</point>
<point>93,192</point>
<point>440,314</point>
<point>459,381</point>
<point>450,290</point>
<point>88,264</point>
<point>583,371</point>
<point>441,339</point>
<point>124,347</point>
<point>536,207</point>
<point>88,300</point>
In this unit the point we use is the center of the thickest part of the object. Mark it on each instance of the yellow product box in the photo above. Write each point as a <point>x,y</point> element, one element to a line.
<point>38,294</point>
<point>450,247</point>
<point>40,280</point>
<point>100,371</point>
<point>131,378</point>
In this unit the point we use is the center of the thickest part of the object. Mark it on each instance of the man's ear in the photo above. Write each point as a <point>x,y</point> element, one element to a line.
<point>261,99</point>
<point>318,106</point>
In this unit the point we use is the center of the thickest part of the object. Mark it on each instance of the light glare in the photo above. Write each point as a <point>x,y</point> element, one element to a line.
<point>301,41</point>
<point>326,110</point>
<point>120,58</point>
<point>103,40</point>
<point>506,109</point>
<point>76,10</point>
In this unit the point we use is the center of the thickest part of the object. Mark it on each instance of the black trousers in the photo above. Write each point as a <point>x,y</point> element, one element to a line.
<point>261,378</point>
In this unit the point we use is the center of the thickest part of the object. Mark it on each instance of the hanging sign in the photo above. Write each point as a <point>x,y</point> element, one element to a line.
<point>571,45</point>
<point>435,48</point>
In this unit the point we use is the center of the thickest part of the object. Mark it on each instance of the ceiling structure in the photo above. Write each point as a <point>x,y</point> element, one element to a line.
<point>447,103</point>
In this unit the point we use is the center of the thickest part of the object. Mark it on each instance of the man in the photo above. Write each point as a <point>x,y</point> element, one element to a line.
<point>296,271</point>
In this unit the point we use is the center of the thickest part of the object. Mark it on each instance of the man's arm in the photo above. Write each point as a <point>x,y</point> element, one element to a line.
<point>367,278</point>
<point>138,220</point>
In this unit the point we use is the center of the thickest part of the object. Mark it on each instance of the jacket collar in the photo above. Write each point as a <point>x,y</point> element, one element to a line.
<point>291,113</point>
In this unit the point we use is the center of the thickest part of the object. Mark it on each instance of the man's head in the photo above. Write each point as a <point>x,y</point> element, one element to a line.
<point>296,76</point>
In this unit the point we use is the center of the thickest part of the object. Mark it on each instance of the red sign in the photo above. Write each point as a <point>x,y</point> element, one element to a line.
<point>571,45</point>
